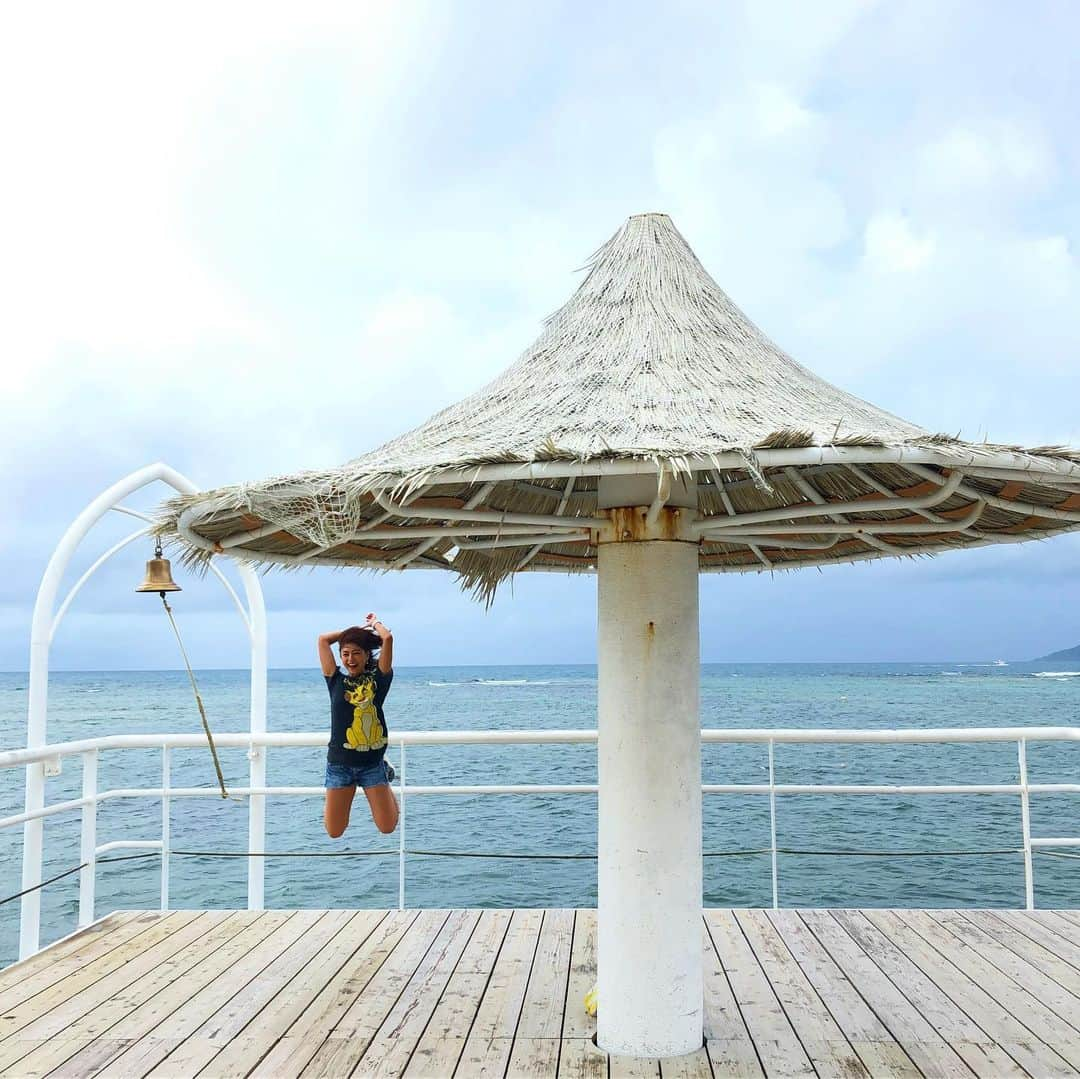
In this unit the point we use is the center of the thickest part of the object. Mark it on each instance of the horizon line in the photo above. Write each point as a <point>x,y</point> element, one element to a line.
<point>428,666</point>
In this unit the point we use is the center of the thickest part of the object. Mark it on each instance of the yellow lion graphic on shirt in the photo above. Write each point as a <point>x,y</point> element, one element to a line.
<point>365,732</point>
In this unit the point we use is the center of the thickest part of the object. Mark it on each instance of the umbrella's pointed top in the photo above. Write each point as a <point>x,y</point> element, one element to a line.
<point>649,356</point>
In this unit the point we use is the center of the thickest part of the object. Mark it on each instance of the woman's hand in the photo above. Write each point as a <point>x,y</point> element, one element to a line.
<point>386,652</point>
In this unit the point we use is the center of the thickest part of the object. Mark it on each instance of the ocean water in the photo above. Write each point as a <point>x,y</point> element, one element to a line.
<point>456,698</point>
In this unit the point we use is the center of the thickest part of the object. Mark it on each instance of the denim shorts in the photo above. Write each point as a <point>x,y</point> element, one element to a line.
<point>345,775</point>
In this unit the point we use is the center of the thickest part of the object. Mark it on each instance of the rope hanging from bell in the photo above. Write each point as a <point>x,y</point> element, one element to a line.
<point>159,579</point>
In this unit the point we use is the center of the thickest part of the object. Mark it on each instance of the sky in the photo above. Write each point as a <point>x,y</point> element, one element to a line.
<point>260,238</point>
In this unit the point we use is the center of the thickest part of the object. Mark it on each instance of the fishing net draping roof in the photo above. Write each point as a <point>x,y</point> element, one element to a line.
<point>649,367</point>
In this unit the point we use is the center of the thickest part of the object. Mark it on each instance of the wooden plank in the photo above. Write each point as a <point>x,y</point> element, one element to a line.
<point>500,1006</point>
<point>689,1066</point>
<point>580,1059</point>
<point>864,1031</point>
<point>1069,915</point>
<point>291,1054</point>
<point>490,1041</point>
<point>179,1013</point>
<point>483,1058</point>
<point>484,944</point>
<point>1002,1027</point>
<point>1033,929</point>
<point>443,1041</point>
<point>241,1054</point>
<point>162,1024</point>
<point>71,1028</point>
<point>1026,962</point>
<point>221,1012</point>
<point>544,1005</point>
<point>620,1067</point>
<point>435,1056</point>
<point>87,1062</point>
<point>43,993</point>
<point>822,1039</point>
<point>1037,1017</point>
<point>534,1058</point>
<point>728,1042</point>
<point>920,1040</point>
<point>51,1013</point>
<point>577,1023</point>
<point>191,970</point>
<point>1055,922</point>
<point>36,974</point>
<point>974,1045</point>
<point>777,1044</point>
<point>347,1040</point>
<point>389,1051</point>
<point>91,938</point>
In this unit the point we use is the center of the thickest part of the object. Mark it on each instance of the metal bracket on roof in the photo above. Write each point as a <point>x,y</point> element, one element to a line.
<point>631,524</point>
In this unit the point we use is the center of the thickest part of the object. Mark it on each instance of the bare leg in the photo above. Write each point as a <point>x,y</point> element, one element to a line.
<point>336,811</point>
<point>384,807</point>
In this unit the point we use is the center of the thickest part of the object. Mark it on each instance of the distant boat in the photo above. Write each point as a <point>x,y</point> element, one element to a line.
<point>999,663</point>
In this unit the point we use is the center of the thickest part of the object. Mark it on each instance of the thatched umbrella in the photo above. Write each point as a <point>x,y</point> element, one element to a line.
<point>651,432</point>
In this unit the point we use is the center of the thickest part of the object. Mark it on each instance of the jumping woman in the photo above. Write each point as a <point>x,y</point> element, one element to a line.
<point>354,757</point>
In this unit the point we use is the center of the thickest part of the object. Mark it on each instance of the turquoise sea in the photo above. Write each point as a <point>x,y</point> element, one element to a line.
<point>428,698</point>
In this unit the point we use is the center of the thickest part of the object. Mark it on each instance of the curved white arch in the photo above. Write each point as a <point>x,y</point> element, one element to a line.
<point>76,588</point>
<point>47,616</point>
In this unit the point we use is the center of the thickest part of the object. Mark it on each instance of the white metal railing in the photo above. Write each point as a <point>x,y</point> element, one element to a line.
<point>47,617</point>
<point>90,748</point>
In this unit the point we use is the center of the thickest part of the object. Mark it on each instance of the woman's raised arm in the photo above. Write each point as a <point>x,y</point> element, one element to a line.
<point>326,654</point>
<point>386,650</point>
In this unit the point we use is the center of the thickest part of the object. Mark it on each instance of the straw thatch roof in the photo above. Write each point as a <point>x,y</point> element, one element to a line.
<point>649,367</point>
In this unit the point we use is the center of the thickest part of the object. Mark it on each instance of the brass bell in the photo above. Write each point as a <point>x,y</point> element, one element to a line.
<point>158,575</point>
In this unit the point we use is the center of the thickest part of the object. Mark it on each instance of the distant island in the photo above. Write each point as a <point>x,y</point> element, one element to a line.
<point>1065,655</point>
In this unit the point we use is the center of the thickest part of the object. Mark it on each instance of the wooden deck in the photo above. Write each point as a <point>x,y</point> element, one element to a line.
<point>499,992</point>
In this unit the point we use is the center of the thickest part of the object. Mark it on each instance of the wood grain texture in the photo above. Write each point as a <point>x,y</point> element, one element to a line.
<point>945,994</point>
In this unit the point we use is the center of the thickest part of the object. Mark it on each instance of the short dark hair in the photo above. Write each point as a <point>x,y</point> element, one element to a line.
<point>366,639</point>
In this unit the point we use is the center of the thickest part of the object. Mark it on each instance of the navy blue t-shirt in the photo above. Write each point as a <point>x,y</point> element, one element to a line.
<point>357,723</point>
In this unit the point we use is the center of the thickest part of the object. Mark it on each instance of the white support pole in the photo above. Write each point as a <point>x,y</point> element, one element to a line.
<point>88,840</point>
<point>1025,824</point>
<point>649,761</point>
<point>166,783</point>
<point>257,725</point>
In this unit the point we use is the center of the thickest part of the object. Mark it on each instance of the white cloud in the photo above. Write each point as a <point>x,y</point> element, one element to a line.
<point>891,245</point>
<point>1003,157</point>
<point>780,113</point>
<point>747,178</point>
<point>105,110</point>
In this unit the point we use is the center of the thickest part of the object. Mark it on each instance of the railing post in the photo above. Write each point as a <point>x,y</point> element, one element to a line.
<point>772,828</point>
<point>257,755</point>
<point>401,830</point>
<point>256,894</point>
<point>33,830</point>
<point>88,840</point>
<point>1025,821</point>
<point>166,782</point>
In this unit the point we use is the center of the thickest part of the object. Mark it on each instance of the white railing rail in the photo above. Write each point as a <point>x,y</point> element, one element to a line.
<point>89,750</point>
